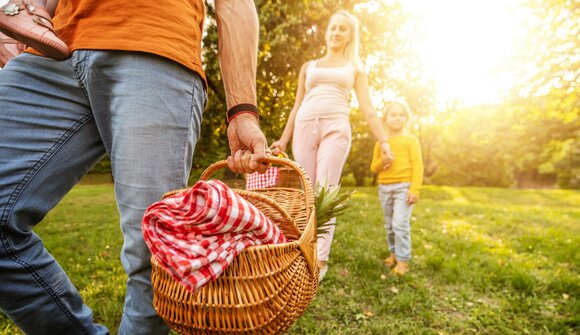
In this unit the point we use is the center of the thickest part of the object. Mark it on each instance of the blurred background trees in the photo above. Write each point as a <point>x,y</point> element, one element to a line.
<point>528,139</point>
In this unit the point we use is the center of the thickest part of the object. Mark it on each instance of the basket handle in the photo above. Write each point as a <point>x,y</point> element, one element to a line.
<point>307,244</point>
<point>306,184</point>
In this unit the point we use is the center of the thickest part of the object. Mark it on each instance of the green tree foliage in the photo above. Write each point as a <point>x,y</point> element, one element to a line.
<point>358,163</point>
<point>548,58</point>
<point>471,148</point>
<point>545,106</point>
<point>102,167</point>
<point>545,139</point>
<point>530,139</point>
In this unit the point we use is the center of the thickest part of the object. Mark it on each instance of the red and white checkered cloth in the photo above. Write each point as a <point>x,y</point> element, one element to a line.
<point>195,234</point>
<point>267,179</point>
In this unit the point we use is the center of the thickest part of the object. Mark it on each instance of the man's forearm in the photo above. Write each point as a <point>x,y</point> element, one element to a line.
<point>238,30</point>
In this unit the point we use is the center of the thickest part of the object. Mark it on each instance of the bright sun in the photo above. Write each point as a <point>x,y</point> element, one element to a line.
<point>466,46</point>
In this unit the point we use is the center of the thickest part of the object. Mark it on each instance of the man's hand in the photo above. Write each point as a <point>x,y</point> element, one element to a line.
<point>412,199</point>
<point>247,145</point>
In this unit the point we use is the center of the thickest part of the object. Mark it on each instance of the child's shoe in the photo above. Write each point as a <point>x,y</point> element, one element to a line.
<point>400,269</point>
<point>391,260</point>
<point>9,48</point>
<point>31,24</point>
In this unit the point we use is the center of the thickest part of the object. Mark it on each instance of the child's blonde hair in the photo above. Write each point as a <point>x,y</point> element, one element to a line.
<point>401,103</point>
<point>352,48</point>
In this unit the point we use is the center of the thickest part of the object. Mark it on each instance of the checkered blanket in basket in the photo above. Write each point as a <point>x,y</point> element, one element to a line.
<point>195,234</point>
<point>267,179</point>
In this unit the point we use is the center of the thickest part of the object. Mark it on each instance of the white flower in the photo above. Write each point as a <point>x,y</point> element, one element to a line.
<point>11,9</point>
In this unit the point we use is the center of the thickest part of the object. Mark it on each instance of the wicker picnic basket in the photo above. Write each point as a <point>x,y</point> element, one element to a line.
<point>267,287</point>
<point>288,176</point>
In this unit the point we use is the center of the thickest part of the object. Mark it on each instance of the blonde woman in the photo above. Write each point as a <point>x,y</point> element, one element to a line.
<point>319,121</point>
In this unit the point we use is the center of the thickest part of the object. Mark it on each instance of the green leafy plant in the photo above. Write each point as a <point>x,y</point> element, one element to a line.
<point>330,203</point>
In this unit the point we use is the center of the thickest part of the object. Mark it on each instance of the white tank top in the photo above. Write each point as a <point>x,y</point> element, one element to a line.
<point>327,91</point>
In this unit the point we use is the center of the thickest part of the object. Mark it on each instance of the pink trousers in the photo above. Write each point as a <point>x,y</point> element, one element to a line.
<point>322,146</point>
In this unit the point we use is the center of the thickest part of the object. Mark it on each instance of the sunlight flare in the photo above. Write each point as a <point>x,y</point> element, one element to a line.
<point>466,45</point>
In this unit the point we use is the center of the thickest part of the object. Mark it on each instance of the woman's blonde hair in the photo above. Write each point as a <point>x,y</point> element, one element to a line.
<point>401,103</point>
<point>351,50</point>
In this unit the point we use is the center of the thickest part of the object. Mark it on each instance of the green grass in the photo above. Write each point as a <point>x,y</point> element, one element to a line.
<point>486,261</point>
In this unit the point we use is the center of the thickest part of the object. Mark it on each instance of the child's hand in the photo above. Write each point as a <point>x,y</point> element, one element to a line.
<point>412,199</point>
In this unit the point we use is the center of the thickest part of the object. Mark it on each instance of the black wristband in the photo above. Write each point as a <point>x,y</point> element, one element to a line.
<point>242,108</point>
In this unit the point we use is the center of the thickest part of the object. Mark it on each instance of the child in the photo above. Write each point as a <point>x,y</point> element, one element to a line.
<point>399,184</point>
<point>29,22</point>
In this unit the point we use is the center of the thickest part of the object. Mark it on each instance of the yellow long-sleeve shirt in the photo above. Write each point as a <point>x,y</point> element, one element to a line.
<point>408,163</point>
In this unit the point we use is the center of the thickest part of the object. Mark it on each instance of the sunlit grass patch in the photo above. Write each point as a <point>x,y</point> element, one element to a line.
<point>485,261</point>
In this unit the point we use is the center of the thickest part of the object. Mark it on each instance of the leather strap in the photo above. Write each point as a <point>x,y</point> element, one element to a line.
<point>242,109</point>
<point>39,14</point>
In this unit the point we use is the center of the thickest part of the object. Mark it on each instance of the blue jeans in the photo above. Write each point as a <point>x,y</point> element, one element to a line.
<point>397,214</point>
<point>57,120</point>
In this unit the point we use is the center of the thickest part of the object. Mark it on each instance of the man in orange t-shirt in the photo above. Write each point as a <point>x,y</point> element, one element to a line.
<point>134,89</point>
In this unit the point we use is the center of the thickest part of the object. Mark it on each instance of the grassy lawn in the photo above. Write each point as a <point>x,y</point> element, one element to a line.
<point>486,261</point>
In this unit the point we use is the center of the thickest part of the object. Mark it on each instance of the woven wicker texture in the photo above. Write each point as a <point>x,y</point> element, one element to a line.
<point>289,177</point>
<point>267,287</point>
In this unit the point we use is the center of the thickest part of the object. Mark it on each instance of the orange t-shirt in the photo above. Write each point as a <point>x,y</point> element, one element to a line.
<point>171,29</point>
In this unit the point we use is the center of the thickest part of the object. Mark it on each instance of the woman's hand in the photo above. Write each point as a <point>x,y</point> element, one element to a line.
<point>278,147</point>
<point>386,154</point>
<point>388,165</point>
<point>412,199</point>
